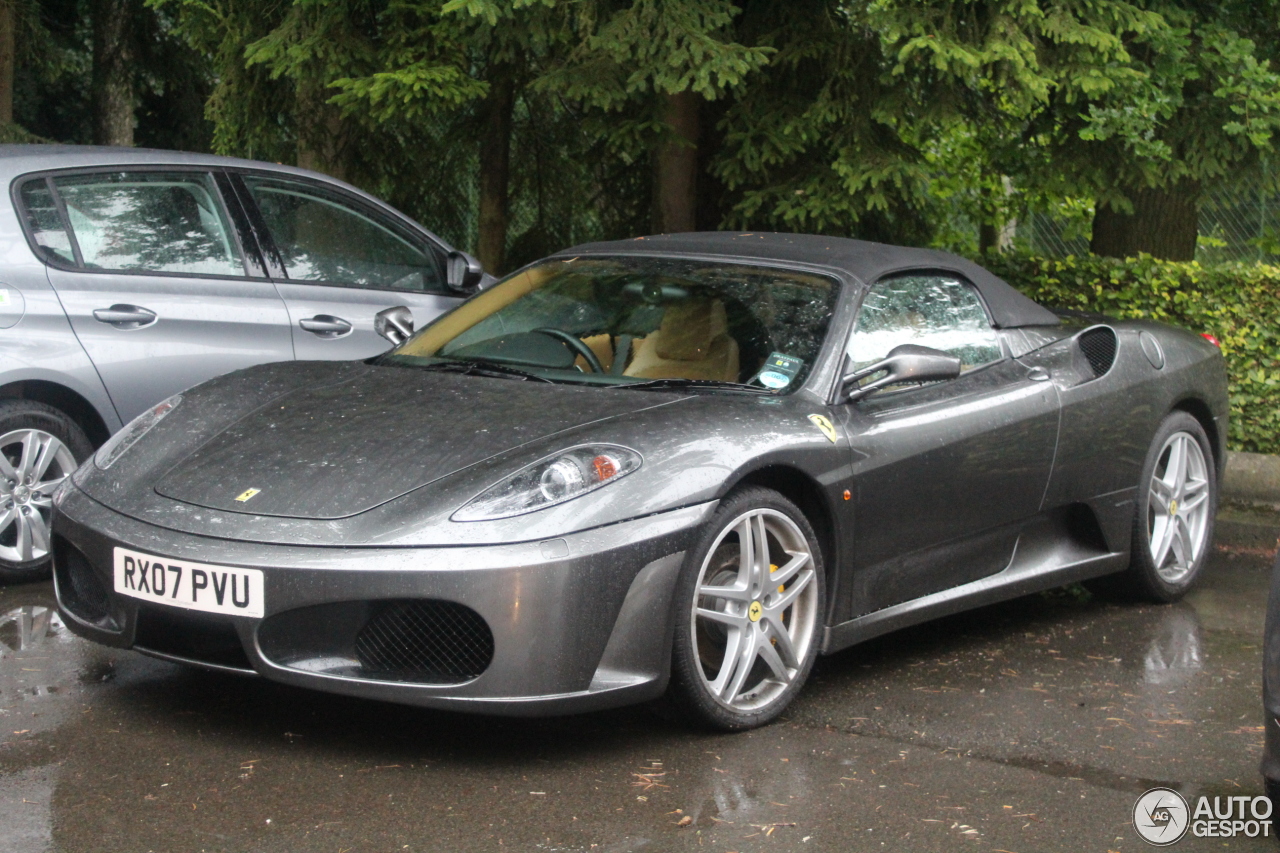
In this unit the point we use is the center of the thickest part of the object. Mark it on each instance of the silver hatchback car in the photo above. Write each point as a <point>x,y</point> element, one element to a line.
<point>128,275</point>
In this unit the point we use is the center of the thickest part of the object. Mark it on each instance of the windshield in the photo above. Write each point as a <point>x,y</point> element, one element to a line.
<point>615,321</point>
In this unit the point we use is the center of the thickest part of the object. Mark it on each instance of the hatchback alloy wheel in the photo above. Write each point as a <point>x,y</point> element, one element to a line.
<point>33,464</point>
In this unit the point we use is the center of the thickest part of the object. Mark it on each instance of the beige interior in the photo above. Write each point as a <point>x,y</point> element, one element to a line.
<point>602,346</point>
<point>474,310</point>
<point>692,343</point>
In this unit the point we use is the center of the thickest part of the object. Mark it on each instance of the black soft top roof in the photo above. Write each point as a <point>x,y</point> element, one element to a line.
<point>868,262</point>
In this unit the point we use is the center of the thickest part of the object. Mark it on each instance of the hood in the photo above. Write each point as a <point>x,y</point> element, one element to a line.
<point>335,450</point>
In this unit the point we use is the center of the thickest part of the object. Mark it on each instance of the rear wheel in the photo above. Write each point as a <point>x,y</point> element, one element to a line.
<point>39,448</point>
<point>1174,512</point>
<point>748,612</point>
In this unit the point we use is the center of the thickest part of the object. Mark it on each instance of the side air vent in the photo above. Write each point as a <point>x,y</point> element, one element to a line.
<point>429,641</point>
<point>1099,348</point>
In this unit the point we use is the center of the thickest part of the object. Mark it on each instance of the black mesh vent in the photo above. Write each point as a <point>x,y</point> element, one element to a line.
<point>1099,347</point>
<point>81,590</point>
<point>435,642</point>
<point>188,634</point>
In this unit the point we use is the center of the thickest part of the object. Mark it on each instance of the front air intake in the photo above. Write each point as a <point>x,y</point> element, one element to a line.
<point>191,636</point>
<point>428,641</point>
<point>81,589</point>
<point>1099,348</point>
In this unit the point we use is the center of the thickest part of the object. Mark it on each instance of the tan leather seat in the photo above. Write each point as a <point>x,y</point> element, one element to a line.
<point>602,346</point>
<point>692,343</point>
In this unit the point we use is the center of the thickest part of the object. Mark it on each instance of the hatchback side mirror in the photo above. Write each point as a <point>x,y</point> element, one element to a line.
<point>464,272</point>
<point>394,324</point>
<point>904,363</point>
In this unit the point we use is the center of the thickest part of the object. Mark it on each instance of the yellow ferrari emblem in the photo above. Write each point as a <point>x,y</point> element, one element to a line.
<point>1173,507</point>
<point>755,611</point>
<point>825,425</point>
<point>246,494</point>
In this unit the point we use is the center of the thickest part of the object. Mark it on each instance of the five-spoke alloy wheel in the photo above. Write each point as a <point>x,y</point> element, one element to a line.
<point>39,448</point>
<point>1178,509</point>
<point>748,612</point>
<point>1175,507</point>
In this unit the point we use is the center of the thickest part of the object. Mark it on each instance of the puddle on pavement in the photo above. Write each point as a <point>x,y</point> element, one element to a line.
<point>1027,699</point>
<point>23,628</point>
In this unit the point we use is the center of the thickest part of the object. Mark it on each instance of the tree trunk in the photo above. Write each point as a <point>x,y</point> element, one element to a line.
<point>997,230</point>
<point>8,22</point>
<point>112,78</point>
<point>988,237</point>
<point>1164,224</point>
<point>324,141</point>
<point>495,169</point>
<point>675,174</point>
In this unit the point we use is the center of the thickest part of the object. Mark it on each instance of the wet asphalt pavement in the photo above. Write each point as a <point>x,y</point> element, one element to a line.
<point>1027,726</point>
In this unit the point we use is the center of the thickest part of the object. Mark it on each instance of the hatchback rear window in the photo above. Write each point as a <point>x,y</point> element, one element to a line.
<point>149,221</point>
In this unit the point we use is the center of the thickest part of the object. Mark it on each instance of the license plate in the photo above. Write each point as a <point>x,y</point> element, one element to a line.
<point>195,586</point>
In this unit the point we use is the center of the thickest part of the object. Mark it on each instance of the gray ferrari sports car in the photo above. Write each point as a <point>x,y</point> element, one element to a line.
<point>678,467</point>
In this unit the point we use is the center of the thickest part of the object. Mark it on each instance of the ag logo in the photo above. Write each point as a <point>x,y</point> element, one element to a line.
<point>1160,816</point>
<point>246,494</point>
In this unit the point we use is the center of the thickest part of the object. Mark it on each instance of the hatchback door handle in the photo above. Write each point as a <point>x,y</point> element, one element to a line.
<point>326,326</point>
<point>125,316</point>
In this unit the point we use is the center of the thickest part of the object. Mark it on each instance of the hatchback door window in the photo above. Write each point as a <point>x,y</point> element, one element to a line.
<point>935,311</point>
<point>150,222</point>
<point>324,238</point>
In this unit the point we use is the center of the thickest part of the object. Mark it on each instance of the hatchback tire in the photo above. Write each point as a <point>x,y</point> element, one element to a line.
<point>39,448</point>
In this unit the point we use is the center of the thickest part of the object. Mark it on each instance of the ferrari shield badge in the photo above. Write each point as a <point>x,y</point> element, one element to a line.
<point>825,425</point>
<point>248,493</point>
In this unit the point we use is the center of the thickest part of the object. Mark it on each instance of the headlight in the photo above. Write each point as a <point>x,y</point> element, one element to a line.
<point>134,430</point>
<point>551,481</point>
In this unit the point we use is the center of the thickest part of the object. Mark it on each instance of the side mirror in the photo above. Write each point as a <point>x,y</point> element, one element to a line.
<point>904,363</point>
<point>394,324</point>
<point>464,272</point>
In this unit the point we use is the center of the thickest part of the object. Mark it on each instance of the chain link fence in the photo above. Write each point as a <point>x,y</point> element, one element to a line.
<point>1239,221</point>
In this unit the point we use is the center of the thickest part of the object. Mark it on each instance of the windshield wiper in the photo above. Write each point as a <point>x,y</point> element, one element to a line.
<point>484,368</point>
<point>696,383</point>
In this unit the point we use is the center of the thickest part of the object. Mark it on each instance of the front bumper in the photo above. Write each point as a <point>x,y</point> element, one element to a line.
<point>578,623</point>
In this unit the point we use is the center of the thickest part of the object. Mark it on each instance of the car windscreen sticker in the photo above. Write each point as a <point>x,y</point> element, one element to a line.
<point>4,296</point>
<point>779,370</point>
<point>828,429</point>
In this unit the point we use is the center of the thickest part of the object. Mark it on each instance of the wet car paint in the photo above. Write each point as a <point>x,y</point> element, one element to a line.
<point>1028,725</point>
<point>940,482</point>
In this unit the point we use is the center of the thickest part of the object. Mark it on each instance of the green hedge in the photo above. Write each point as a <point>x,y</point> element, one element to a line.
<point>1237,303</point>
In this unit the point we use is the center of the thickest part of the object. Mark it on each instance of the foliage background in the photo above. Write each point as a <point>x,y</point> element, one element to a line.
<point>1238,303</point>
<point>957,124</point>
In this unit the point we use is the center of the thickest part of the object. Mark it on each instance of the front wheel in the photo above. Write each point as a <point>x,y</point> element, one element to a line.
<point>39,448</point>
<point>748,611</point>
<point>1174,512</point>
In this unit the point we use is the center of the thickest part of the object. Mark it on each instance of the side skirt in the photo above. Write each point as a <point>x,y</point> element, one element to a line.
<point>1047,555</point>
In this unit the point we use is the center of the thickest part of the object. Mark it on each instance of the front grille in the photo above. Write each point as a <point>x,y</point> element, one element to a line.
<point>1099,348</point>
<point>434,642</point>
<point>191,635</point>
<point>81,589</point>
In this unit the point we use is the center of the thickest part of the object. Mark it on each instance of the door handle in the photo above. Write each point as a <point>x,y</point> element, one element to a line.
<point>326,326</point>
<point>125,316</point>
<point>1038,374</point>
